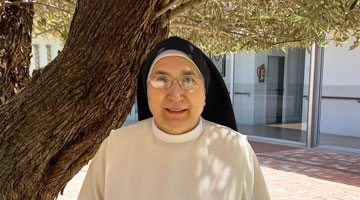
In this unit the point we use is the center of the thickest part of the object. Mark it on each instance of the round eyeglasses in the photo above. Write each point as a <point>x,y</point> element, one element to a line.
<point>163,81</point>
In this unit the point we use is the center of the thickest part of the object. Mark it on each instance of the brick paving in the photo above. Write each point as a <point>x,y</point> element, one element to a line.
<point>295,174</point>
<point>311,174</point>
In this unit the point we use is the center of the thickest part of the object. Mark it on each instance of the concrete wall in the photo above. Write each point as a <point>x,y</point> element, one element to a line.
<point>341,78</point>
<point>244,88</point>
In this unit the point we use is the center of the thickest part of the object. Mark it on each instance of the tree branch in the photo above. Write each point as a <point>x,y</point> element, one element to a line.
<point>163,3</point>
<point>187,18</point>
<point>342,6</point>
<point>200,28</point>
<point>71,2</point>
<point>166,8</point>
<point>186,7</point>
<point>49,30</point>
<point>2,9</point>
<point>19,3</point>
<point>284,42</point>
<point>299,3</point>
<point>182,25</point>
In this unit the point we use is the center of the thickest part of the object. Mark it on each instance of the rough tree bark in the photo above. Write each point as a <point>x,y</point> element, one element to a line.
<point>15,49</point>
<point>55,125</point>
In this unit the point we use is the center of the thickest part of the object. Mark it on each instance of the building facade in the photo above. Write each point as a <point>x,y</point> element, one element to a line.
<point>273,94</point>
<point>43,52</point>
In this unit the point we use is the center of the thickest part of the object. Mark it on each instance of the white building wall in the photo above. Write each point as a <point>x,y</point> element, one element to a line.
<point>341,79</point>
<point>227,71</point>
<point>41,43</point>
<point>244,88</point>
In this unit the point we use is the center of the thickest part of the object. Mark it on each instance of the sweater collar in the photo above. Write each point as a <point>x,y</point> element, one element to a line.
<point>185,137</point>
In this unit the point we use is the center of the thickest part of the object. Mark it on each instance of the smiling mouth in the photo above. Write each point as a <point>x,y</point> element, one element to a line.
<point>175,110</point>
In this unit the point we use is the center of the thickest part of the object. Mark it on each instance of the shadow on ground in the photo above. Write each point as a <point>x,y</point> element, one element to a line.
<point>317,163</point>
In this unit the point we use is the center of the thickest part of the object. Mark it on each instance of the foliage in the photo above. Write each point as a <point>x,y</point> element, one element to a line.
<point>220,26</point>
<point>262,25</point>
<point>52,18</point>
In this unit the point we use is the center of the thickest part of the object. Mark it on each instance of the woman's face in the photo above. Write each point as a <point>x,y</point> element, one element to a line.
<point>175,110</point>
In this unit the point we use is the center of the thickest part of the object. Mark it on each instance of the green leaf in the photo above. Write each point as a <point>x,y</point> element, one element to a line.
<point>241,25</point>
<point>356,44</point>
<point>353,4</point>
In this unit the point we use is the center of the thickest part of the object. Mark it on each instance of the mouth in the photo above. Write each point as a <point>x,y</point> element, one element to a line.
<point>175,110</point>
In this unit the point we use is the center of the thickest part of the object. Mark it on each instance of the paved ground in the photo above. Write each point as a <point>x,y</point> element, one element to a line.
<point>292,174</point>
<point>311,174</point>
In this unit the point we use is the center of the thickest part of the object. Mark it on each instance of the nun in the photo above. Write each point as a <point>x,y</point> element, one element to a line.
<point>185,145</point>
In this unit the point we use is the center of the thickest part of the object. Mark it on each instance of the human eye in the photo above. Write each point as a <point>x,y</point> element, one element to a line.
<point>189,82</point>
<point>160,81</point>
<point>162,78</point>
<point>189,79</point>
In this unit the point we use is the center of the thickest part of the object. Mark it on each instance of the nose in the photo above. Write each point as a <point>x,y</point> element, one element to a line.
<point>175,92</point>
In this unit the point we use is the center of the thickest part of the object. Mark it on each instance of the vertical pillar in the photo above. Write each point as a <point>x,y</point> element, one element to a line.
<point>48,52</point>
<point>314,106</point>
<point>37,56</point>
<point>232,70</point>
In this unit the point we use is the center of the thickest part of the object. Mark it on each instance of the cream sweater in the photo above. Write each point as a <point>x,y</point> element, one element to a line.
<point>142,162</point>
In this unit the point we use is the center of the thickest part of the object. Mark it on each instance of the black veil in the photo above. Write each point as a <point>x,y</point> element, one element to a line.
<point>218,106</point>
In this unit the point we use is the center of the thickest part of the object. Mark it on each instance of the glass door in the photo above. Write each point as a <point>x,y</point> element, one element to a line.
<point>270,94</point>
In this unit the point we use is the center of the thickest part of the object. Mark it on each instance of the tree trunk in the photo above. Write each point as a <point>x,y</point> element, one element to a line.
<point>15,48</point>
<point>50,130</point>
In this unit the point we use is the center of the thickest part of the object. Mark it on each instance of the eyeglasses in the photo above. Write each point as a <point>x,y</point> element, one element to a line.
<point>163,81</point>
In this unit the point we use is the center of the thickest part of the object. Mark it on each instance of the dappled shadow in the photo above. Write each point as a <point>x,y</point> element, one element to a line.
<point>218,176</point>
<point>221,167</point>
<point>218,165</point>
<point>321,164</point>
